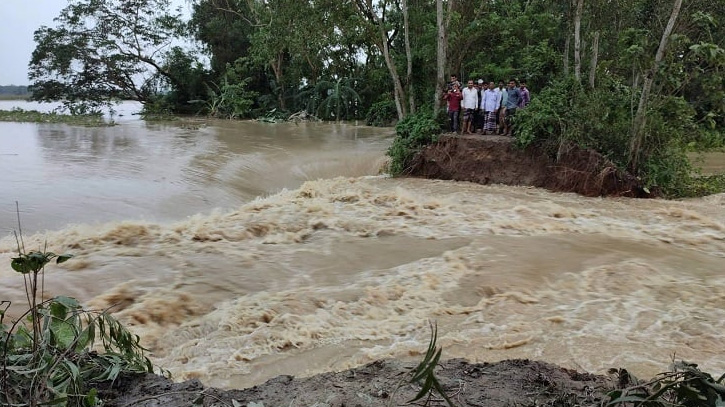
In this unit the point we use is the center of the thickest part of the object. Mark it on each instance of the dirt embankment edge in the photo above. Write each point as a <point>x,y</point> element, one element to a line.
<point>381,383</point>
<point>496,160</point>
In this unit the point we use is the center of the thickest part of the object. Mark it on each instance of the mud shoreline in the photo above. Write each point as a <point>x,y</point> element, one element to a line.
<point>381,383</point>
<point>495,160</point>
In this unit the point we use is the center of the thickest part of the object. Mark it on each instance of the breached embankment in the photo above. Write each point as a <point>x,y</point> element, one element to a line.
<point>496,160</point>
<point>381,383</point>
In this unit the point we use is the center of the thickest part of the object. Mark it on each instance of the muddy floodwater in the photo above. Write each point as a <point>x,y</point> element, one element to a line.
<point>240,251</point>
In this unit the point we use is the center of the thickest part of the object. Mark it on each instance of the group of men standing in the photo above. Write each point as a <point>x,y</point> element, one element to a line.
<point>485,107</point>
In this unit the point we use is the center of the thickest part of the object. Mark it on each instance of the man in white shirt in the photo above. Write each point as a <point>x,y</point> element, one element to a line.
<point>502,125</point>
<point>490,104</point>
<point>469,105</point>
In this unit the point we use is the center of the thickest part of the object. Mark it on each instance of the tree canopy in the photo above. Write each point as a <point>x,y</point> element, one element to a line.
<point>102,50</point>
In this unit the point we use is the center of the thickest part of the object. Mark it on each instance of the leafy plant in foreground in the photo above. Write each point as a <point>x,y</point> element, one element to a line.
<point>684,386</point>
<point>425,372</point>
<point>47,354</point>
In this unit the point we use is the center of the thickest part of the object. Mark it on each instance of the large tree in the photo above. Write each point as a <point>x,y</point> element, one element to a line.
<point>101,50</point>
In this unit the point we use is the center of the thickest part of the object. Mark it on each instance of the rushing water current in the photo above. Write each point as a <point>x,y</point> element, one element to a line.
<point>240,251</point>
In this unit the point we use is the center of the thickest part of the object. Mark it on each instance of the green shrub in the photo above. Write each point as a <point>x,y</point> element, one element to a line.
<point>684,386</point>
<point>47,355</point>
<point>382,113</point>
<point>701,186</point>
<point>600,119</point>
<point>412,134</point>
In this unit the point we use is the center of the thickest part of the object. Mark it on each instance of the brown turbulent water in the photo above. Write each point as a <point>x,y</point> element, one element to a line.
<point>315,263</point>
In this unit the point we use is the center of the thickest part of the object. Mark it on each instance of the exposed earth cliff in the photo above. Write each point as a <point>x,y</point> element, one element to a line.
<point>503,384</point>
<point>496,160</point>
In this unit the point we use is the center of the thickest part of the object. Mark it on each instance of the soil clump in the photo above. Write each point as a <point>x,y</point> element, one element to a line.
<point>506,383</point>
<point>496,160</point>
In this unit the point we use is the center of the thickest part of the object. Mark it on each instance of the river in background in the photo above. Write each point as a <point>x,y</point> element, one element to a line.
<point>62,174</point>
<point>241,250</point>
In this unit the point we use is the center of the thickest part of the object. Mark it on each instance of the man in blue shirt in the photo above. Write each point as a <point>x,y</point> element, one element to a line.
<point>512,103</point>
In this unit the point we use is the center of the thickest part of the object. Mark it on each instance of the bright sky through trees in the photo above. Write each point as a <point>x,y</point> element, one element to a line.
<point>20,18</point>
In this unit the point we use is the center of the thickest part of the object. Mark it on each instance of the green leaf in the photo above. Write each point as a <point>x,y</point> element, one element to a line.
<point>20,265</point>
<point>58,310</point>
<point>718,387</point>
<point>63,258</point>
<point>73,369</point>
<point>64,333</point>
<point>91,398</point>
<point>69,302</point>
<point>424,390</point>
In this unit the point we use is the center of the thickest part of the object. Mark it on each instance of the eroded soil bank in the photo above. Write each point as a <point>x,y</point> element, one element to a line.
<point>506,383</point>
<point>495,160</point>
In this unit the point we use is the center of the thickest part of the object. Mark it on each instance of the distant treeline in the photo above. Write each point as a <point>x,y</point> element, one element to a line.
<point>14,90</point>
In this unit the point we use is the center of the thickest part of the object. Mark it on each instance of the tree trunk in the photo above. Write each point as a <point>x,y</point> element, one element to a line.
<point>277,69</point>
<point>367,11</point>
<point>441,60</point>
<point>595,58</point>
<point>638,124</point>
<point>567,44</point>
<point>398,90</point>
<point>578,40</point>
<point>408,58</point>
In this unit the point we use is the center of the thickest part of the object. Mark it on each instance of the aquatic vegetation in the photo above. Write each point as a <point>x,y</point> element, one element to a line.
<point>34,116</point>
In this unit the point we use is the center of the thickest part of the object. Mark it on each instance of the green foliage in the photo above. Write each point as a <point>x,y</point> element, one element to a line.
<point>47,355</point>
<point>102,51</point>
<point>382,113</point>
<point>158,108</point>
<point>701,185</point>
<point>273,116</point>
<point>183,81</point>
<point>231,99</point>
<point>684,386</point>
<point>600,119</point>
<point>412,134</point>
<point>425,372</point>
<point>336,100</point>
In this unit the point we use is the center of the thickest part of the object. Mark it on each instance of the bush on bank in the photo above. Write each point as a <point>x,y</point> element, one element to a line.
<point>601,118</point>
<point>412,134</point>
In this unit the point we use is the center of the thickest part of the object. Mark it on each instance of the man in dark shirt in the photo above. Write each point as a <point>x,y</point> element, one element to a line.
<point>512,103</point>
<point>454,81</point>
<point>454,97</point>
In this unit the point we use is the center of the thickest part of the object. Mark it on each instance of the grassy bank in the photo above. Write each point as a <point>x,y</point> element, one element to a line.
<point>34,116</point>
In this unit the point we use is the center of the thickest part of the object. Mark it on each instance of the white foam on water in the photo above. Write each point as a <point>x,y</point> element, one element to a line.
<point>344,271</point>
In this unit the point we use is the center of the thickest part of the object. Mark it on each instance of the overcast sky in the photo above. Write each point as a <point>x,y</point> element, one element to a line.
<point>18,20</point>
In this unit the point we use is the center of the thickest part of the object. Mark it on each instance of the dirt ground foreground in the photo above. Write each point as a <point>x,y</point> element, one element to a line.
<point>506,383</point>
